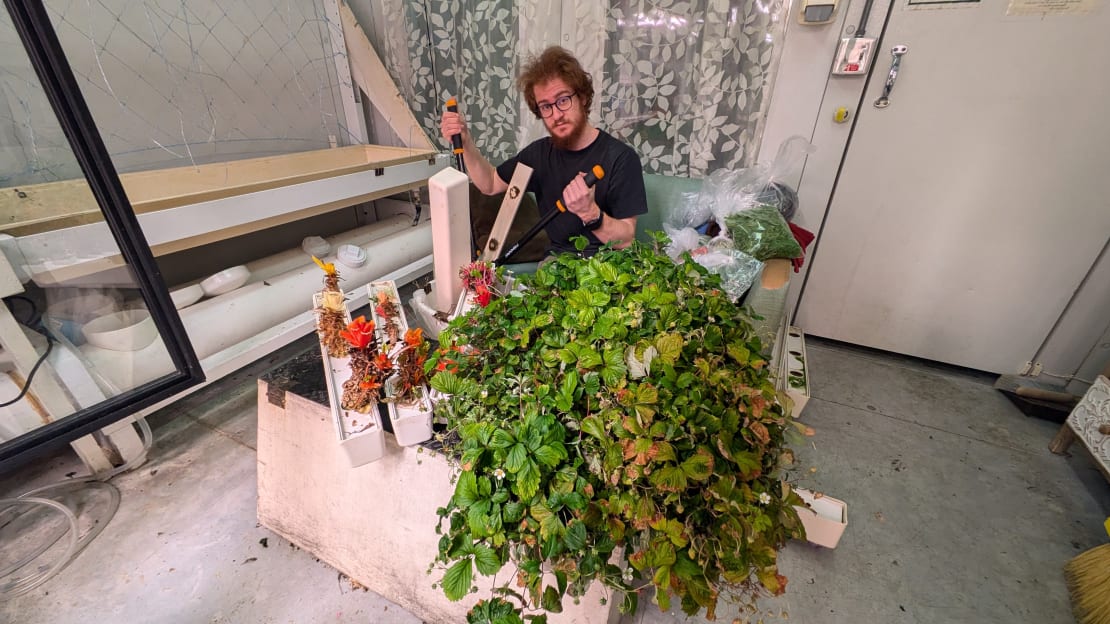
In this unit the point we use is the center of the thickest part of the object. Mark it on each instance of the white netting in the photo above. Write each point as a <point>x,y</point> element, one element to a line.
<point>173,83</point>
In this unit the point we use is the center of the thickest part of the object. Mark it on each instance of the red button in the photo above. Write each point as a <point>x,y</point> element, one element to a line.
<point>852,67</point>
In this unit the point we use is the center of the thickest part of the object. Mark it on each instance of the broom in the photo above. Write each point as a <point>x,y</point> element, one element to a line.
<point>1088,579</point>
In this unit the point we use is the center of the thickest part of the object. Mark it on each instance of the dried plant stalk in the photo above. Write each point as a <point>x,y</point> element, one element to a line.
<point>356,397</point>
<point>331,323</point>
<point>387,310</point>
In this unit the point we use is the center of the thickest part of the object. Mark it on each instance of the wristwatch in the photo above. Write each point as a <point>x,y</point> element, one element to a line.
<point>593,224</point>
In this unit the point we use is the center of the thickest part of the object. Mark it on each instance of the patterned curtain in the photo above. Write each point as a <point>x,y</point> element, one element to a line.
<point>685,82</point>
<point>465,50</point>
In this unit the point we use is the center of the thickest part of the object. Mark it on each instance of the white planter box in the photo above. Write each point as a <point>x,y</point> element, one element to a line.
<point>795,369</point>
<point>412,424</point>
<point>825,519</point>
<point>361,436</point>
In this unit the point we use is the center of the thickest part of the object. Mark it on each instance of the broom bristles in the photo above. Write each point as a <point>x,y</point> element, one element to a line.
<point>1088,579</point>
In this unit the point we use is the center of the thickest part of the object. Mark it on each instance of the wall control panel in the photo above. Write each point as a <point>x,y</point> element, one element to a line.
<point>853,56</point>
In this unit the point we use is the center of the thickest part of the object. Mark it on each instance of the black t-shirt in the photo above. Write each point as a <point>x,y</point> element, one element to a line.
<point>620,193</point>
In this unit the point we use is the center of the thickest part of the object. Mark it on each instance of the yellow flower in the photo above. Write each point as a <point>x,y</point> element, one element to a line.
<point>328,267</point>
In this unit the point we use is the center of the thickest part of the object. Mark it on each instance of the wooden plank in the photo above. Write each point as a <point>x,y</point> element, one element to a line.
<point>1063,440</point>
<point>495,244</point>
<point>372,76</point>
<point>61,275</point>
<point>37,208</point>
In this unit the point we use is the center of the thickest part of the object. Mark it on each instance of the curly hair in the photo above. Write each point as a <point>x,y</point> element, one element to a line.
<point>555,62</point>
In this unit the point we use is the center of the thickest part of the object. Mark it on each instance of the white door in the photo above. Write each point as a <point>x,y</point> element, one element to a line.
<point>967,213</point>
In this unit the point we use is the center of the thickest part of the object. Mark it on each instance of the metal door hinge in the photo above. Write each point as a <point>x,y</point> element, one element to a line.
<point>275,394</point>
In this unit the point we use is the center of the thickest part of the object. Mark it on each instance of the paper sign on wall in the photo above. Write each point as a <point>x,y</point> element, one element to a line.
<point>1050,7</point>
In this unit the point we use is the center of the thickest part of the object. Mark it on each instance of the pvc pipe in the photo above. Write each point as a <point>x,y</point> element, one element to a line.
<point>271,266</point>
<point>223,322</point>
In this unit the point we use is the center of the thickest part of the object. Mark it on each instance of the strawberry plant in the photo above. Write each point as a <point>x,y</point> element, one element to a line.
<point>616,422</point>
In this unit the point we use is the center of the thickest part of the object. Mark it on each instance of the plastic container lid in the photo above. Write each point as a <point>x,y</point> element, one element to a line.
<point>351,256</point>
<point>225,281</point>
<point>315,246</point>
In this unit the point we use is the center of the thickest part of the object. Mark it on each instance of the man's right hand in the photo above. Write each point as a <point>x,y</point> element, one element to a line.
<point>481,172</point>
<point>451,124</point>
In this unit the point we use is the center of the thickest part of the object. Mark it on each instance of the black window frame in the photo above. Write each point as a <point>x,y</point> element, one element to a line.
<point>49,61</point>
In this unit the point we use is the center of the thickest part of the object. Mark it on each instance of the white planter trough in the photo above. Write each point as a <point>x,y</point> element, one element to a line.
<point>361,435</point>
<point>412,422</point>
<point>796,369</point>
<point>387,288</point>
<point>825,519</point>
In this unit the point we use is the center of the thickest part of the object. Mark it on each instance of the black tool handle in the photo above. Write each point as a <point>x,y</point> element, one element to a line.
<point>592,176</point>
<point>456,139</point>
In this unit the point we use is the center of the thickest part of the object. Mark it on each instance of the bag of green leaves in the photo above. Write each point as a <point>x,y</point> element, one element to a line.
<point>762,233</point>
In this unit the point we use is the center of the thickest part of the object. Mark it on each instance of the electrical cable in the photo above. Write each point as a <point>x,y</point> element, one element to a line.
<point>35,319</point>
<point>31,375</point>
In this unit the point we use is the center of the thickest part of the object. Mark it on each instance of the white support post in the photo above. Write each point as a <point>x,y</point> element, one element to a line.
<point>352,111</point>
<point>449,192</point>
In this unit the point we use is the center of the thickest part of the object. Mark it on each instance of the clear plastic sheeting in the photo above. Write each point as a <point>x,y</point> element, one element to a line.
<point>727,192</point>
<point>737,269</point>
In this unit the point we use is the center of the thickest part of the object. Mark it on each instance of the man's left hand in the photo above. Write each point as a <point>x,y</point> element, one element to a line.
<point>579,199</point>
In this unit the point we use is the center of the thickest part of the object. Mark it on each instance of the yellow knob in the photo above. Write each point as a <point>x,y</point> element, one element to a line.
<point>841,115</point>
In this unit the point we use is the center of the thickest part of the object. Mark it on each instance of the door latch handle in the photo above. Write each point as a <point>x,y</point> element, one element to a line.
<point>896,52</point>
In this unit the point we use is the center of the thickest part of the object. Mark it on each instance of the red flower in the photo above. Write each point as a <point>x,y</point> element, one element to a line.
<point>369,384</point>
<point>359,333</point>
<point>483,295</point>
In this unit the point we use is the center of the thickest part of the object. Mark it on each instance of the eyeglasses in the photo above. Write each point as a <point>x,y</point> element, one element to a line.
<point>562,103</point>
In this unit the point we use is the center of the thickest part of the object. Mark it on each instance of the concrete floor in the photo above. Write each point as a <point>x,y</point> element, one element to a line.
<point>957,513</point>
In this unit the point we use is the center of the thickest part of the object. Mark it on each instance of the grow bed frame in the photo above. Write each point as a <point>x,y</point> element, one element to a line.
<point>63,240</point>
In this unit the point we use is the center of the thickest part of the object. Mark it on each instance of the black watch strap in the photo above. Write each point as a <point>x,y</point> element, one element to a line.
<point>593,224</point>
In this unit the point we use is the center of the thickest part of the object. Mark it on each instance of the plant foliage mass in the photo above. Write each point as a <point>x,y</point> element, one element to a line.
<point>616,422</point>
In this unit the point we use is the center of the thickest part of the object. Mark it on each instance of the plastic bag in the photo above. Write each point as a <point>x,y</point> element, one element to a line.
<point>737,269</point>
<point>762,233</point>
<point>738,274</point>
<point>728,191</point>
<point>682,240</point>
<point>690,213</point>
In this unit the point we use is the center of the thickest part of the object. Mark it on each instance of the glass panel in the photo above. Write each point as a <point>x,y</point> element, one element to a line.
<point>177,85</point>
<point>75,329</point>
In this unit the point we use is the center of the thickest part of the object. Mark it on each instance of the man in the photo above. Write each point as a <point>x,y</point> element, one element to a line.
<point>559,92</point>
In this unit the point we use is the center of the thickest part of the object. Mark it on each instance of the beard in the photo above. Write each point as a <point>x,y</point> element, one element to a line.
<point>571,139</point>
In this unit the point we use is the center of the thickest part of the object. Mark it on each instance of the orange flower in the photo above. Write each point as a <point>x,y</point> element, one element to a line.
<point>369,384</point>
<point>383,363</point>
<point>414,337</point>
<point>359,333</point>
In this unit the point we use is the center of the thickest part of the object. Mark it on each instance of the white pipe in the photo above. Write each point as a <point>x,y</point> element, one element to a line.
<point>227,321</point>
<point>290,259</point>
